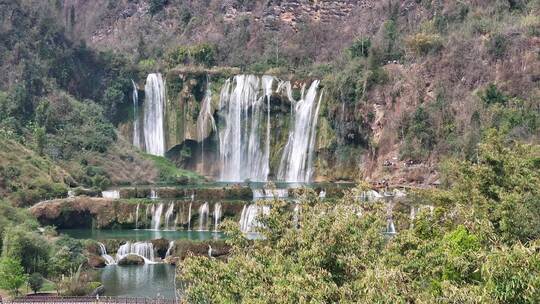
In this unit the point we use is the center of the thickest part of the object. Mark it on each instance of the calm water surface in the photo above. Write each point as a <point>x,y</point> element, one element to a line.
<point>142,234</point>
<point>148,281</point>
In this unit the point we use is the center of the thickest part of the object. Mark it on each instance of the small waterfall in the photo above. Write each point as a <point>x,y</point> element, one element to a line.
<point>270,193</point>
<point>296,215</point>
<point>109,260</point>
<point>171,245</point>
<point>137,216</point>
<point>248,218</point>
<point>217,215</point>
<point>142,249</point>
<point>390,228</point>
<point>112,194</point>
<point>136,118</point>
<point>71,193</point>
<point>296,161</point>
<point>240,146</point>
<point>168,217</point>
<point>322,194</point>
<point>154,112</point>
<point>189,216</point>
<point>156,217</point>
<point>204,212</point>
<point>153,194</point>
<point>370,196</point>
<point>205,121</point>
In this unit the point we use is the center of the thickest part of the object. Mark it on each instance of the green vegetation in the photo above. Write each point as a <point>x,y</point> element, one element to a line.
<point>35,281</point>
<point>170,174</point>
<point>12,275</point>
<point>479,245</point>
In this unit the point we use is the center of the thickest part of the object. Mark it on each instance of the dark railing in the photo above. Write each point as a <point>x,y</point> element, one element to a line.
<point>111,300</point>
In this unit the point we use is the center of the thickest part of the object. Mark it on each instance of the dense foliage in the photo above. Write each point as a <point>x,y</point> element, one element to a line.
<point>479,245</point>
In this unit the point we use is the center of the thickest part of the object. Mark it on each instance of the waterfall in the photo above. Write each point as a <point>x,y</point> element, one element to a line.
<point>267,82</point>
<point>296,161</point>
<point>189,215</point>
<point>248,218</point>
<point>109,260</point>
<point>390,228</point>
<point>156,217</point>
<point>136,118</point>
<point>168,217</point>
<point>153,194</point>
<point>171,245</point>
<point>270,193</point>
<point>322,194</point>
<point>113,194</point>
<point>154,112</point>
<point>137,216</point>
<point>296,215</point>
<point>217,215</point>
<point>241,154</point>
<point>204,211</point>
<point>205,120</point>
<point>142,249</point>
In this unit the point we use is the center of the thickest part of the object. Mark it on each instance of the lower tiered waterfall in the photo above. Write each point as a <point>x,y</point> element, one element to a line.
<point>156,216</point>
<point>217,215</point>
<point>297,158</point>
<point>114,194</point>
<point>169,224</point>
<point>109,260</point>
<point>154,112</point>
<point>240,146</point>
<point>142,249</point>
<point>204,212</point>
<point>249,217</point>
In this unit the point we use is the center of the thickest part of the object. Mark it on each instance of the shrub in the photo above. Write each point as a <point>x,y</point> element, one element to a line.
<point>35,281</point>
<point>360,47</point>
<point>496,45</point>
<point>155,6</point>
<point>422,43</point>
<point>492,95</point>
<point>12,275</point>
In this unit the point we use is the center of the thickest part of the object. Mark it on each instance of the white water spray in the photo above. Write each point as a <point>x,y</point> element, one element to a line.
<point>154,112</point>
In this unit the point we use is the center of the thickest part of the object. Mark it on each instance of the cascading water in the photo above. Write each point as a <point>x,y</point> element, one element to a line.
<point>248,218</point>
<point>169,216</point>
<point>136,118</point>
<point>154,112</point>
<point>205,120</point>
<point>113,194</point>
<point>142,249</point>
<point>153,194</point>
<point>296,215</point>
<point>204,212</point>
<point>296,161</point>
<point>156,217</point>
<point>217,215</point>
<point>189,215</point>
<point>240,144</point>
<point>109,260</point>
<point>270,193</point>
<point>169,250</point>
<point>137,216</point>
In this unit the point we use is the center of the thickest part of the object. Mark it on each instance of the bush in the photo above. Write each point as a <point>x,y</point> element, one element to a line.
<point>155,6</point>
<point>35,282</point>
<point>497,45</point>
<point>422,43</point>
<point>360,47</point>
<point>492,95</point>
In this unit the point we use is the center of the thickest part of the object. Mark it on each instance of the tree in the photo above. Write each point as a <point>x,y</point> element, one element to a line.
<point>35,282</point>
<point>12,275</point>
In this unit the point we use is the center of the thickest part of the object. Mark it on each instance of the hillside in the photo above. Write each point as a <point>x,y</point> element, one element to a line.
<point>408,83</point>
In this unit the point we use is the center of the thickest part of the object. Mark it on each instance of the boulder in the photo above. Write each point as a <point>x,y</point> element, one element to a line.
<point>131,259</point>
<point>96,261</point>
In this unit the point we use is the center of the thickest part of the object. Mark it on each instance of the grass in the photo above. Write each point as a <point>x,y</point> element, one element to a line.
<point>170,174</point>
